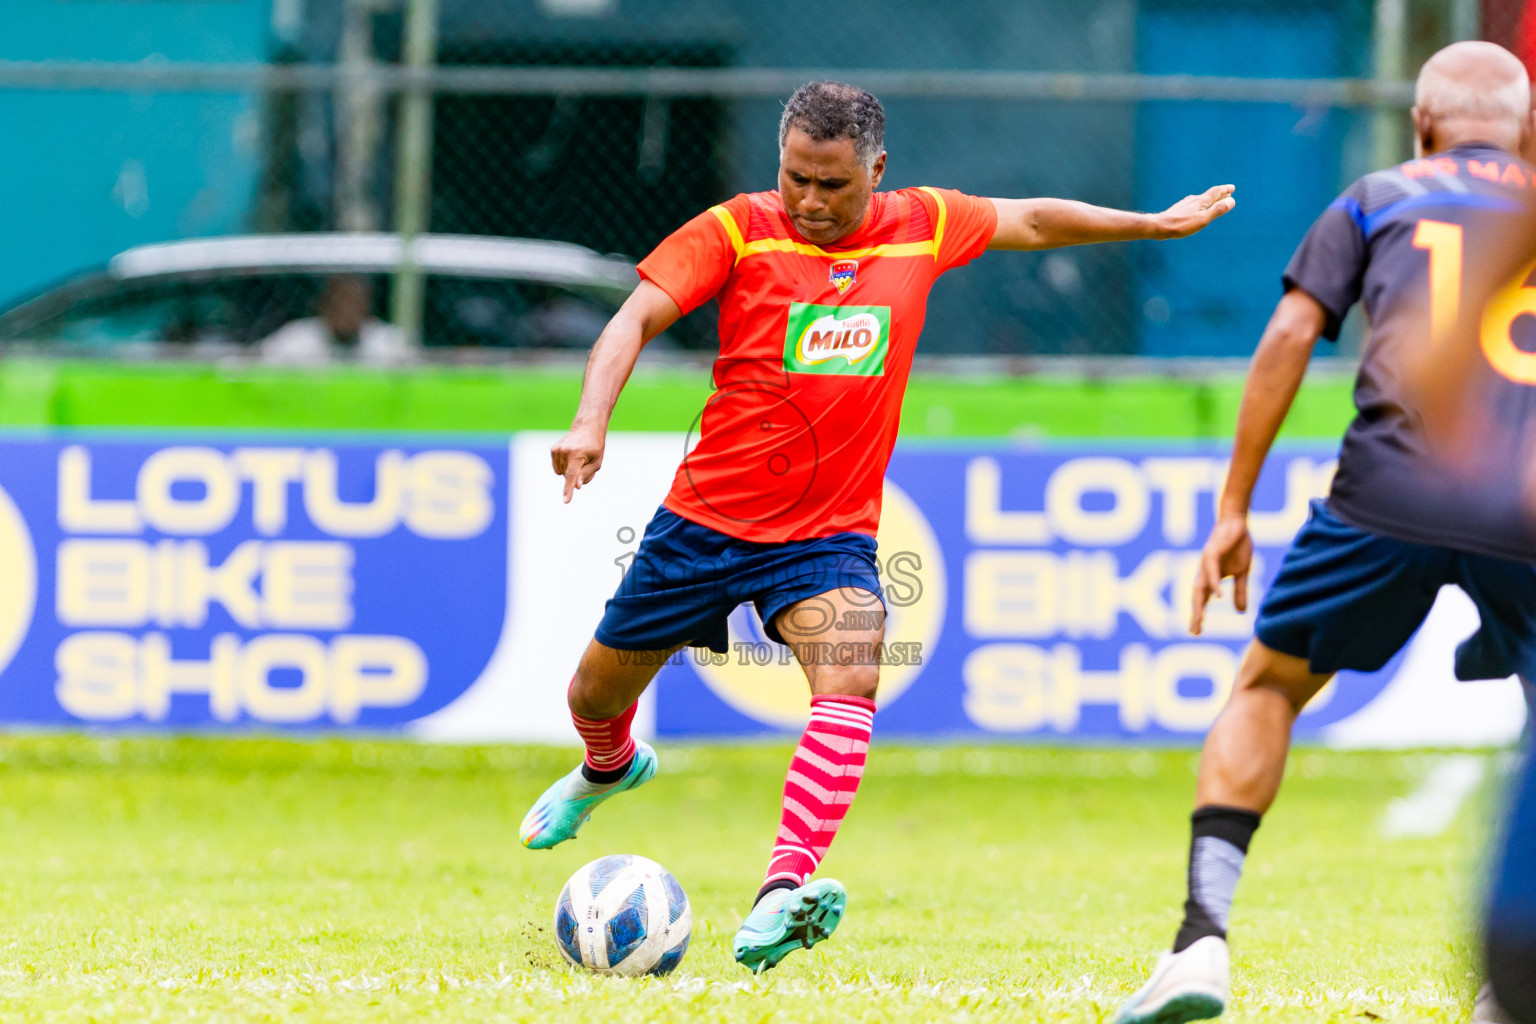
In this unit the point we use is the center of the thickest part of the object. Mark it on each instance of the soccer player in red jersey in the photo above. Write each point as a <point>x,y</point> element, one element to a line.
<point>822,288</point>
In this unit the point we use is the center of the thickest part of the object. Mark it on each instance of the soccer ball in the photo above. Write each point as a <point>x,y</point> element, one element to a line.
<point>623,915</point>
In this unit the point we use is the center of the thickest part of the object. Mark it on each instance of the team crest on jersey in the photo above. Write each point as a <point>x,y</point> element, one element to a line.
<point>842,273</point>
<point>841,340</point>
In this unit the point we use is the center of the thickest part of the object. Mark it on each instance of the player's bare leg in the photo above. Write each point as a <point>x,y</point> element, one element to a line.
<point>602,698</point>
<point>1245,751</point>
<point>1240,773</point>
<point>837,642</point>
<point>609,682</point>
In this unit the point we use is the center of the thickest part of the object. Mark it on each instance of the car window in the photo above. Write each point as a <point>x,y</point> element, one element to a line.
<point>234,311</point>
<point>462,311</point>
<point>237,313</point>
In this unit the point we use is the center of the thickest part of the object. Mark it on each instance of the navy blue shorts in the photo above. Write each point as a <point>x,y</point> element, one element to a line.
<point>1511,922</point>
<point>1347,598</point>
<point>686,579</point>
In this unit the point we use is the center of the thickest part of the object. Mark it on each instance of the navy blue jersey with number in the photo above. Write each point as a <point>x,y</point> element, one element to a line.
<point>1423,246</point>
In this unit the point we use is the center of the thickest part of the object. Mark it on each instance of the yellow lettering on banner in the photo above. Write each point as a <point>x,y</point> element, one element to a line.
<point>164,564</point>
<point>1190,661</point>
<point>162,677</point>
<point>440,495</point>
<point>232,584</point>
<point>1007,687</point>
<point>985,520</point>
<point>266,654</point>
<point>1136,663</point>
<point>270,471</point>
<point>374,671</point>
<point>200,516</point>
<point>1119,687</point>
<point>1076,594</point>
<point>307,585</point>
<point>1087,598</point>
<point>304,584</point>
<point>102,583</point>
<point>1011,593</point>
<point>1305,481</point>
<point>339,518</point>
<point>113,676</point>
<point>1129,489</point>
<point>449,496</point>
<point>1023,688</point>
<point>1141,595</point>
<point>81,513</point>
<point>1123,521</point>
<point>223,679</point>
<point>97,676</point>
<point>1181,482</point>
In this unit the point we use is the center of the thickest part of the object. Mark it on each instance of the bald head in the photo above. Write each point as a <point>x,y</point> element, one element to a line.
<point>1472,92</point>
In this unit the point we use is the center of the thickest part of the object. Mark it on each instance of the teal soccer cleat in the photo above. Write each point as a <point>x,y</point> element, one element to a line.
<point>789,919</point>
<point>565,807</point>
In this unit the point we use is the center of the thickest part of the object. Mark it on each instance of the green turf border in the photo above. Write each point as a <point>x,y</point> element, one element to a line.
<point>82,393</point>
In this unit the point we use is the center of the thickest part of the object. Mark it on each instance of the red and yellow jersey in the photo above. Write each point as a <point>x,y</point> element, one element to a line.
<point>816,344</point>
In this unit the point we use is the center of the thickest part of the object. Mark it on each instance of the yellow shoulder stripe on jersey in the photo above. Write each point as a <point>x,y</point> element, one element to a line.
<point>938,231</point>
<point>762,245</point>
<point>730,228</point>
<point>788,245</point>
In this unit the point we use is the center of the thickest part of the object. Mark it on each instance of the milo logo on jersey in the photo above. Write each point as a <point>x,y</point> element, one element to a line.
<point>845,340</point>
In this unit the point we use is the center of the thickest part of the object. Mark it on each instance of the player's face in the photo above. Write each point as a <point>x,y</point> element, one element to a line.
<point>826,188</point>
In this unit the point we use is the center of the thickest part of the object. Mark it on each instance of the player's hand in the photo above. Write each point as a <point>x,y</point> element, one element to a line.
<point>578,456</point>
<point>1192,213</point>
<point>1228,552</point>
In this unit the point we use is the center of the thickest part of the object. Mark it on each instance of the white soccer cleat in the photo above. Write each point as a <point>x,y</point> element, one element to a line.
<point>1190,985</point>
<point>1487,1009</point>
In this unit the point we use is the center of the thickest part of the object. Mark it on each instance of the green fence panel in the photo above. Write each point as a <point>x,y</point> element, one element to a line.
<point>40,393</point>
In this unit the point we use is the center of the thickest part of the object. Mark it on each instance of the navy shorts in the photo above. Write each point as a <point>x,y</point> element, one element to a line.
<point>686,579</point>
<point>1347,598</point>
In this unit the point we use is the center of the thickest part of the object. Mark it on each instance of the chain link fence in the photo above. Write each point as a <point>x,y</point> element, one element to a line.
<point>607,123</point>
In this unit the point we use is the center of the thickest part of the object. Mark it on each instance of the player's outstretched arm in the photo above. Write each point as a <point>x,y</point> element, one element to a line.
<point>1279,363</point>
<point>1053,223</point>
<point>646,313</point>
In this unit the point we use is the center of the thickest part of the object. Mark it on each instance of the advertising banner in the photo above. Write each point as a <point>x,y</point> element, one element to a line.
<point>1036,594</point>
<point>292,584</point>
<point>1044,594</point>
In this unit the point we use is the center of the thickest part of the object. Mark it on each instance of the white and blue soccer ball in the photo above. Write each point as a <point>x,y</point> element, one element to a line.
<point>623,915</point>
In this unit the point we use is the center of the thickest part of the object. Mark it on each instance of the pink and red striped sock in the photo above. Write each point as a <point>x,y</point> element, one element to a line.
<point>610,747</point>
<point>823,778</point>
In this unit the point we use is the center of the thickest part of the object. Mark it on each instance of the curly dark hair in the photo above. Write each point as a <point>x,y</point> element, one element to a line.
<point>833,110</point>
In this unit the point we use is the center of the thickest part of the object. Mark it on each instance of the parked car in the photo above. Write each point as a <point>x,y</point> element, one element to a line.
<point>225,295</point>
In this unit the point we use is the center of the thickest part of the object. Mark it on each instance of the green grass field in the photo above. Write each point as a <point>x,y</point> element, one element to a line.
<point>337,881</point>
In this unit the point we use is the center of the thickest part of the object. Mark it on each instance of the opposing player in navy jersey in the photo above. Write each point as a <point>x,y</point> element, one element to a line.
<point>1478,428</point>
<point>1509,927</point>
<point>1408,242</point>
